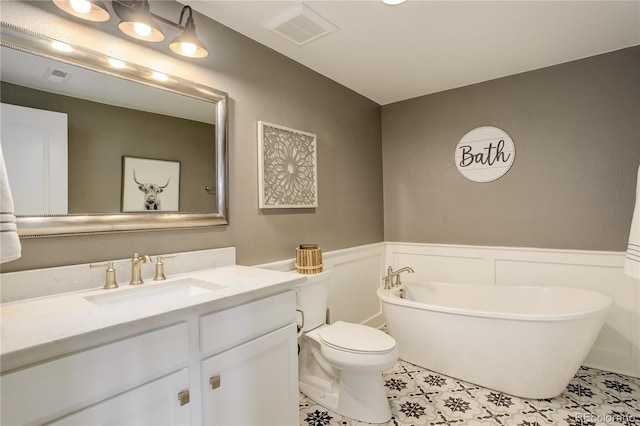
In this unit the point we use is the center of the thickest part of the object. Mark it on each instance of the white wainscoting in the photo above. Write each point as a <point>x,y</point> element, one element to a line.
<point>356,275</point>
<point>617,348</point>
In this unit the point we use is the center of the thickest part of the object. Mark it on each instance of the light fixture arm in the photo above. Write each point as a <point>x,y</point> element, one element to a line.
<point>190,21</point>
<point>166,21</point>
<point>134,5</point>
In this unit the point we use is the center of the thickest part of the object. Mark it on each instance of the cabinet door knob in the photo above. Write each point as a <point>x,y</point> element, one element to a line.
<point>183,397</point>
<point>215,382</point>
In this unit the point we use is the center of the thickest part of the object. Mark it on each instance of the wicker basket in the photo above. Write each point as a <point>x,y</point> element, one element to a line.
<point>308,259</point>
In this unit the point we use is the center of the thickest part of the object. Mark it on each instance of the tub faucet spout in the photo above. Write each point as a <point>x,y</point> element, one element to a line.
<point>389,281</point>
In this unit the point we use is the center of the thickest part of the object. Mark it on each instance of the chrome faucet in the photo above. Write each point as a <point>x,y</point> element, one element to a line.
<point>136,265</point>
<point>389,281</point>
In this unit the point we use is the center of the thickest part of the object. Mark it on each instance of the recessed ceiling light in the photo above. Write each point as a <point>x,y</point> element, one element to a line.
<point>393,2</point>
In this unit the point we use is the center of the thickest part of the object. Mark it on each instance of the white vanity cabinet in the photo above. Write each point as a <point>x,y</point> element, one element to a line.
<point>161,402</point>
<point>54,389</point>
<point>233,363</point>
<point>255,382</point>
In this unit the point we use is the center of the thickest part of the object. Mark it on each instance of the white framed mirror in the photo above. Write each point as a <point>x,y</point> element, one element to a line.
<point>103,101</point>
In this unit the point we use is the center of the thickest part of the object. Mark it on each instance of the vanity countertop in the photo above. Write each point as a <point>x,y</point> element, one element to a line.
<point>36,329</point>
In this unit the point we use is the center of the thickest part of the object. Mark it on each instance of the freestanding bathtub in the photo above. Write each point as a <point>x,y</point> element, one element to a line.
<point>524,341</point>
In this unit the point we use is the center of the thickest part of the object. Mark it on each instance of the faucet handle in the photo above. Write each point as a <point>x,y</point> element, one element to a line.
<point>387,278</point>
<point>159,276</point>
<point>387,282</point>
<point>398,282</point>
<point>110,279</point>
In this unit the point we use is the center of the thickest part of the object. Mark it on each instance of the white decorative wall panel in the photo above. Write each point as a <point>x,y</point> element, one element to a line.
<point>352,293</point>
<point>450,268</point>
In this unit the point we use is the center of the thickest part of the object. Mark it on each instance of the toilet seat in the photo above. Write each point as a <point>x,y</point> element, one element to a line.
<point>356,338</point>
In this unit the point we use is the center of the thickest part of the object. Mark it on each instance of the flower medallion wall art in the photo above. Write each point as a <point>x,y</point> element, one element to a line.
<point>287,167</point>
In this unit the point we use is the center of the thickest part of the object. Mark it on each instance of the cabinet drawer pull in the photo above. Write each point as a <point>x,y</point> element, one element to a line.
<point>215,382</point>
<point>183,397</point>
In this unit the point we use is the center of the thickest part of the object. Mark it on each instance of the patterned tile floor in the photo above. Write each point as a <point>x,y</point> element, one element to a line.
<point>422,397</point>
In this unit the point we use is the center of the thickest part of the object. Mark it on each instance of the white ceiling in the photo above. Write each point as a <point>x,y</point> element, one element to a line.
<point>392,53</point>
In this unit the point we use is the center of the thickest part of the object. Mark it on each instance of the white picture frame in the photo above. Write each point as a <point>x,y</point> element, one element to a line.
<point>150,185</point>
<point>287,167</point>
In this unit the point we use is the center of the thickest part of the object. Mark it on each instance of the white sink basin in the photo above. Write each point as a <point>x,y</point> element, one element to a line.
<point>155,293</point>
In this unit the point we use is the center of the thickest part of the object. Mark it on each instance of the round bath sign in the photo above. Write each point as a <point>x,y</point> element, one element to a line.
<point>485,154</point>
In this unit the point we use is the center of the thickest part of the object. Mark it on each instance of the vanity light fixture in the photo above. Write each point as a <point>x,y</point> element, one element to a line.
<point>137,21</point>
<point>90,10</point>
<point>393,2</point>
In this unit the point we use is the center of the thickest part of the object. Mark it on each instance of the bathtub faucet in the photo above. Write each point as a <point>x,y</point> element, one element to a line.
<point>389,281</point>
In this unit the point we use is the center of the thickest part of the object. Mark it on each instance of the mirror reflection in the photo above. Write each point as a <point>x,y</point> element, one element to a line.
<point>52,110</point>
<point>84,134</point>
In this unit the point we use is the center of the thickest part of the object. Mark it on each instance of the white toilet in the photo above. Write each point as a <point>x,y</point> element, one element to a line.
<point>341,365</point>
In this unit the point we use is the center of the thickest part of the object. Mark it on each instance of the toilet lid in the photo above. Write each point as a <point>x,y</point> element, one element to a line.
<point>356,337</point>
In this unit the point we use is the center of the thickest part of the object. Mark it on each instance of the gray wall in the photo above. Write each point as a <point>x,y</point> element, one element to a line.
<point>262,85</point>
<point>576,128</point>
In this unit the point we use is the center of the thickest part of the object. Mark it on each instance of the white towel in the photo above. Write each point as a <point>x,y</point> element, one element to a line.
<point>632,262</point>
<point>10,248</point>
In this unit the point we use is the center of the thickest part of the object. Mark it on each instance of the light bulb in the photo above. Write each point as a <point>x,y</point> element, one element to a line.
<point>63,47</point>
<point>159,76</point>
<point>80,6</point>
<point>117,63</point>
<point>89,10</point>
<point>188,48</point>
<point>141,29</point>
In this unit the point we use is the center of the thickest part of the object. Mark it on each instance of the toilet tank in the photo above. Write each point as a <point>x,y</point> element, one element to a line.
<point>311,298</point>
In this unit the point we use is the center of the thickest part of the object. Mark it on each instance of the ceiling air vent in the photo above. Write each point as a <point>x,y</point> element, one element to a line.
<point>56,76</point>
<point>300,24</point>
